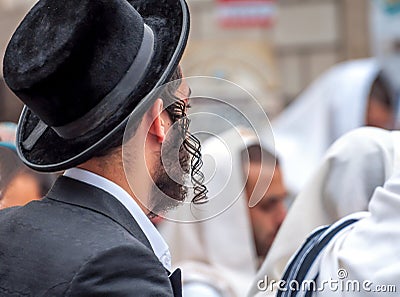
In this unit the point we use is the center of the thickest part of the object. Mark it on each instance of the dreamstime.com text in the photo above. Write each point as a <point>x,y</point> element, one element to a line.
<point>341,284</point>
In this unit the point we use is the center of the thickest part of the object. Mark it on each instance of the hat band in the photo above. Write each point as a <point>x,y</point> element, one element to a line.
<point>109,104</point>
<point>113,101</point>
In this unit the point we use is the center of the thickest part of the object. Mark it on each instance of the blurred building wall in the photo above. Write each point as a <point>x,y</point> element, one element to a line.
<point>11,13</point>
<point>243,55</point>
<point>277,62</point>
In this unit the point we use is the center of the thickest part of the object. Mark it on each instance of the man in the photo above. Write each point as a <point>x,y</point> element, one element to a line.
<point>84,68</point>
<point>349,95</point>
<point>356,256</point>
<point>224,252</point>
<point>357,163</point>
<point>267,215</point>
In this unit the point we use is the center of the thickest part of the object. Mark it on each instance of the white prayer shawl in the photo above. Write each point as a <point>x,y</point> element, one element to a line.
<point>353,167</point>
<point>219,251</point>
<point>331,106</point>
<point>369,251</point>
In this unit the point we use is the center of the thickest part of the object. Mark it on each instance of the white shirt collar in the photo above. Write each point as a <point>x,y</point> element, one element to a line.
<point>158,244</point>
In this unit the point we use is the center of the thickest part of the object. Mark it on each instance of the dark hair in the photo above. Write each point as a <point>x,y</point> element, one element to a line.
<point>381,92</point>
<point>255,153</point>
<point>176,109</point>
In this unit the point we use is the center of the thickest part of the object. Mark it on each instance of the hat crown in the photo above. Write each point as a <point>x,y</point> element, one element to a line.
<point>67,55</point>
<point>84,67</point>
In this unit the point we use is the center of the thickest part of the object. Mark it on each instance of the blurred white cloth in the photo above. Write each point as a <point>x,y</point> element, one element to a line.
<point>331,106</point>
<point>219,252</point>
<point>353,167</point>
<point>369,251</point>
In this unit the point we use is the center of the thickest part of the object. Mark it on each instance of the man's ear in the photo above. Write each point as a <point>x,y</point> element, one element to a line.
<point>158,126</point>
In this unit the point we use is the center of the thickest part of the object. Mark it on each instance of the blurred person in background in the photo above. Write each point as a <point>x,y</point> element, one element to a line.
<point>349,95</point>
<point>220,256</point>
<point>8,133</point>
<point>355,165</point>
<point>357,255</point>
<point>18,183</point>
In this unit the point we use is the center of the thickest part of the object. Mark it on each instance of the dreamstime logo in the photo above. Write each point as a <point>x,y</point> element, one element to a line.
<point>342,273</point>
<point>226,118</point>
<point>340,284</point>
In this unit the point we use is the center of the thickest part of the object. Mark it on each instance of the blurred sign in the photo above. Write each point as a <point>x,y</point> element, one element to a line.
<point>246,13</point>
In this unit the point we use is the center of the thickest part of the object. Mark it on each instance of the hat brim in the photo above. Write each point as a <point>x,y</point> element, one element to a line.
<point>170,22</point>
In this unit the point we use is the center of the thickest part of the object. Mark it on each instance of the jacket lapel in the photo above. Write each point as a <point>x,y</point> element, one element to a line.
<point>176,282</point>
<point>77,193</point>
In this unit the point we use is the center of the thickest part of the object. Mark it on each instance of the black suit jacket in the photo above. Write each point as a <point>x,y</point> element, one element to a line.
<point>78,241</point>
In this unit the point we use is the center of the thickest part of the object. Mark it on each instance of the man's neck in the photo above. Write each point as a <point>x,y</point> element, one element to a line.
<point>114,172</point>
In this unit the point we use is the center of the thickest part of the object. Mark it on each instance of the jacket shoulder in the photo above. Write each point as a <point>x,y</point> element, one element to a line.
<point>75,249</point>
<point>123,270</point>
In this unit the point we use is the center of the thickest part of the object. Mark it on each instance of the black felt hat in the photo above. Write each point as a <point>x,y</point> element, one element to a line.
<point>82,66</point>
